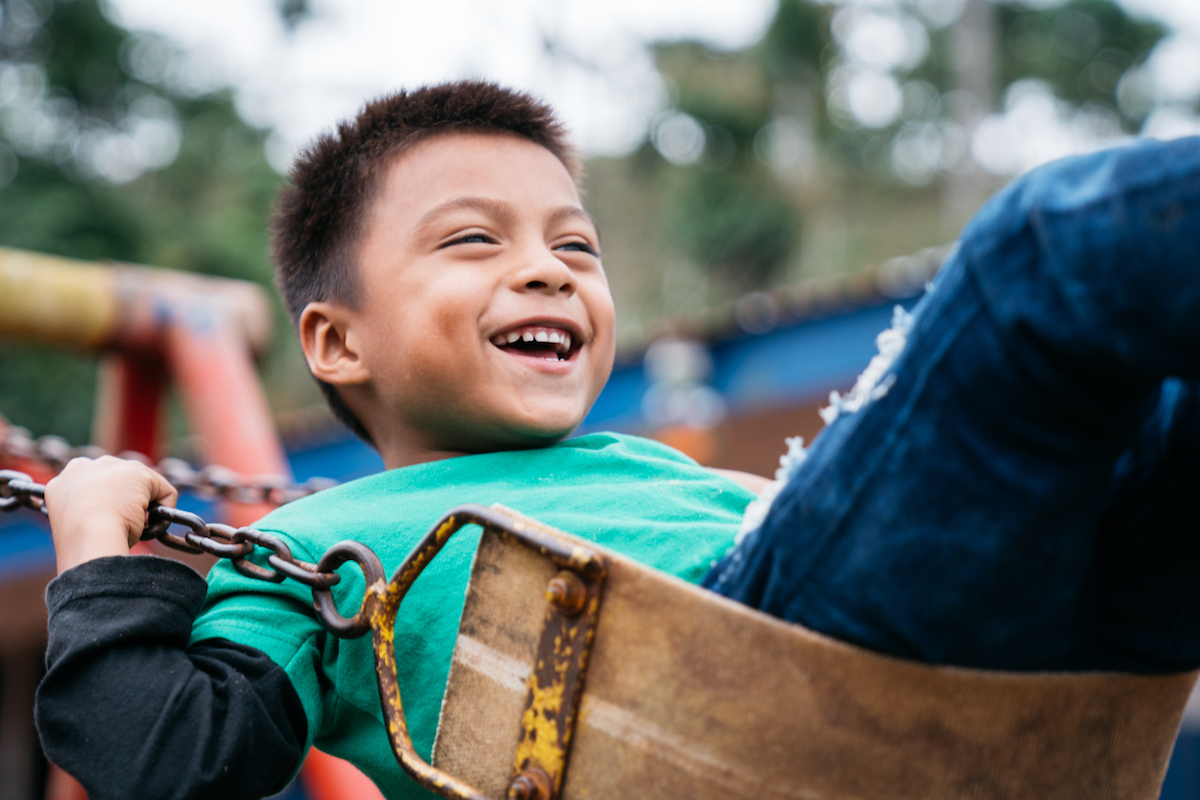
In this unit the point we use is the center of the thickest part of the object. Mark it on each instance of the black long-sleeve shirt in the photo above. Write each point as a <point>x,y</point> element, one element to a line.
<point>131,711</point>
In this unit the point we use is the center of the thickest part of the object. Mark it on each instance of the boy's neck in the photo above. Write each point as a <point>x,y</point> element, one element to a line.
<point>404,455</point>
<point>402,444</point>
<point>407,448</point>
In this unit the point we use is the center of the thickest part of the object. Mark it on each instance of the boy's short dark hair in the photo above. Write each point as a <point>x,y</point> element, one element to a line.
<point>319,216</point>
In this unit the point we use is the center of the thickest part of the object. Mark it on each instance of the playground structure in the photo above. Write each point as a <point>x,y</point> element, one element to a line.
<point>644,724</point>
<point>151,327</point>
<point>154,326</point>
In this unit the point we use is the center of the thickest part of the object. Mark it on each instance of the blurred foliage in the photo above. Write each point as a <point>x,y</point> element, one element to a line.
<point>730,212</point>
<point>292,12</point>
<point>796,39</point>
<point>763,170</point>
<point>727,210</point>
<point>84,95</point>
<point>1082,48</point>
<point>737,223</point>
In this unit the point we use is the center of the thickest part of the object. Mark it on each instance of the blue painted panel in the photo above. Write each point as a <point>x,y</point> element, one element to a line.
<point>1183,775</point>
<point>789,364</point>
<point>25,545</point>
<point>619,406</point>
<point>798,362</point>
<point>343,459</point>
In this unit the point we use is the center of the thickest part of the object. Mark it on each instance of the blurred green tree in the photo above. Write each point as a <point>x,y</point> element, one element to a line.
<point>723,207</point>
<point>1082,49</point>
<point>852,123</point>
<point>109,150</point>
<point>959,60</point>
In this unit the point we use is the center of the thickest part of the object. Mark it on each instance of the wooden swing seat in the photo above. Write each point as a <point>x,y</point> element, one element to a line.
<point>690,695</point>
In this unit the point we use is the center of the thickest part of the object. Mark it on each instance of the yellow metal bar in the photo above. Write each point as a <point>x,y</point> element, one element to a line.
<point>92,306</point>
<point>56,300</point>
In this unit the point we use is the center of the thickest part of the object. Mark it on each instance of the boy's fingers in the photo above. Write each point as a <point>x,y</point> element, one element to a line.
<point>110,472</point>
<point>161,491</point>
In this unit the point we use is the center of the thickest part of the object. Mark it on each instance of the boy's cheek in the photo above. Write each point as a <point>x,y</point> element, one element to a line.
<point>603,355</point>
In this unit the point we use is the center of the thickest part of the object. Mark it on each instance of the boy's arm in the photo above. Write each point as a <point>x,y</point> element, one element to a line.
<point>126,707</point>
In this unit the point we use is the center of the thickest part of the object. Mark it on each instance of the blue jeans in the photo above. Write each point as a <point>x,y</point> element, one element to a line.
<point>1022,491</point>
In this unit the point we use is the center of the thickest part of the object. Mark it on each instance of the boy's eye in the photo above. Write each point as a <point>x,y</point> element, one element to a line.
<point>582,247</point>
<point>470,238</point>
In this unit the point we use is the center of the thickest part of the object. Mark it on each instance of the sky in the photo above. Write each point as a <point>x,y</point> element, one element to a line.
<point>601,79</point>
<point>599,72</point>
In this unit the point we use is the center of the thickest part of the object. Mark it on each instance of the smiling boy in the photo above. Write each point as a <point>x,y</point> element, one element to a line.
<point>485,234</point>
<point>447,289</point>
<point>1013,487</point>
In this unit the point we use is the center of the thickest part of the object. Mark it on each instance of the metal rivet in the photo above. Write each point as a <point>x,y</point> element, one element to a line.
<point>532,784</point>
<point>567,592</point>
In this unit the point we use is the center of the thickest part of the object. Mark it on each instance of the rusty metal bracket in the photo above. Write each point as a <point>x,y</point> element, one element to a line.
<point>556,682</point>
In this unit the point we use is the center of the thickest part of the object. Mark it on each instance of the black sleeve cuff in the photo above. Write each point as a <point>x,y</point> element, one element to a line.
<point>133,576</point>
<point>135,714</point>
<point>120,598</point>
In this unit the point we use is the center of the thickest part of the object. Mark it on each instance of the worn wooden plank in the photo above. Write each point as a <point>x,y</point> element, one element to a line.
<point>691,695</point>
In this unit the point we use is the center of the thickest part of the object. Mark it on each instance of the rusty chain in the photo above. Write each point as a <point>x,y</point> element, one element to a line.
<point>19,490</point>
<point>212,482</point>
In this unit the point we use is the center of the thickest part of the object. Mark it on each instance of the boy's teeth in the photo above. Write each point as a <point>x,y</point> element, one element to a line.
<point>559,339</point>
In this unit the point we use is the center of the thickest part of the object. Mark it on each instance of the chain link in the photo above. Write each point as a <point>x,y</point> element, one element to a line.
<point>19,490</point>
<point>212,482</point>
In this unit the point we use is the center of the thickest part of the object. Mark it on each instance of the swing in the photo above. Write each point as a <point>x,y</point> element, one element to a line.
<point>578,673</point>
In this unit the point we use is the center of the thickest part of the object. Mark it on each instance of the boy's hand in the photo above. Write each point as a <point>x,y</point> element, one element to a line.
<point>98,508</point>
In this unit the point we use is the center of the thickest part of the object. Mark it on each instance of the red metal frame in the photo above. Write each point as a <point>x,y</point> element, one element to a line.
<point>129,403</point>
<point>152,326</point>
<point>225,402</point>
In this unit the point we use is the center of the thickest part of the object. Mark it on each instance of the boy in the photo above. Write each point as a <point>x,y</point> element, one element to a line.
<point>447,290</point>
<point>992,498</point>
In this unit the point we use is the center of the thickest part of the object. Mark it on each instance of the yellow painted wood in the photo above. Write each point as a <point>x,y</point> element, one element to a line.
<point>56,300</point>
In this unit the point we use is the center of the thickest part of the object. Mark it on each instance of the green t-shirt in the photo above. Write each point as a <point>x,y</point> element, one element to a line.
<point>632,495</point>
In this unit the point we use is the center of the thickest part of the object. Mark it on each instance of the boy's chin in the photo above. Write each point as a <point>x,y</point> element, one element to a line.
<point>541,436</point>
<point>524,436</point>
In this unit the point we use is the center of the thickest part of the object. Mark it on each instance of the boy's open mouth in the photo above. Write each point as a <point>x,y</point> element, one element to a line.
<point>538,341</point>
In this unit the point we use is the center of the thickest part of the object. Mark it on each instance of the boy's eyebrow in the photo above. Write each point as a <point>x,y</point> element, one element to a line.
<point>566,212</point>
<point>501,210</point>
<point>496,208</point>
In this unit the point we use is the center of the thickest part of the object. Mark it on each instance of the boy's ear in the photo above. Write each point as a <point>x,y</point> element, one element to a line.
<point>331,348</point>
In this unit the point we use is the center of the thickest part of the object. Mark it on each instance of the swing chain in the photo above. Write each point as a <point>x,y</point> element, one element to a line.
<point>18,490</point>
<point>211,482</point>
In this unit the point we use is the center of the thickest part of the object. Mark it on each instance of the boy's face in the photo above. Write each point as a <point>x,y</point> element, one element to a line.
<point>485,319</point>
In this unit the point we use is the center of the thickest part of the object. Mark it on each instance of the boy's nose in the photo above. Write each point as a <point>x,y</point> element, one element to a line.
<point>545,273</point>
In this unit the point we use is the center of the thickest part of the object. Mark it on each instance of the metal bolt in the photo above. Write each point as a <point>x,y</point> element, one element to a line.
<point>532,784</point>
<point>567,592</point>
